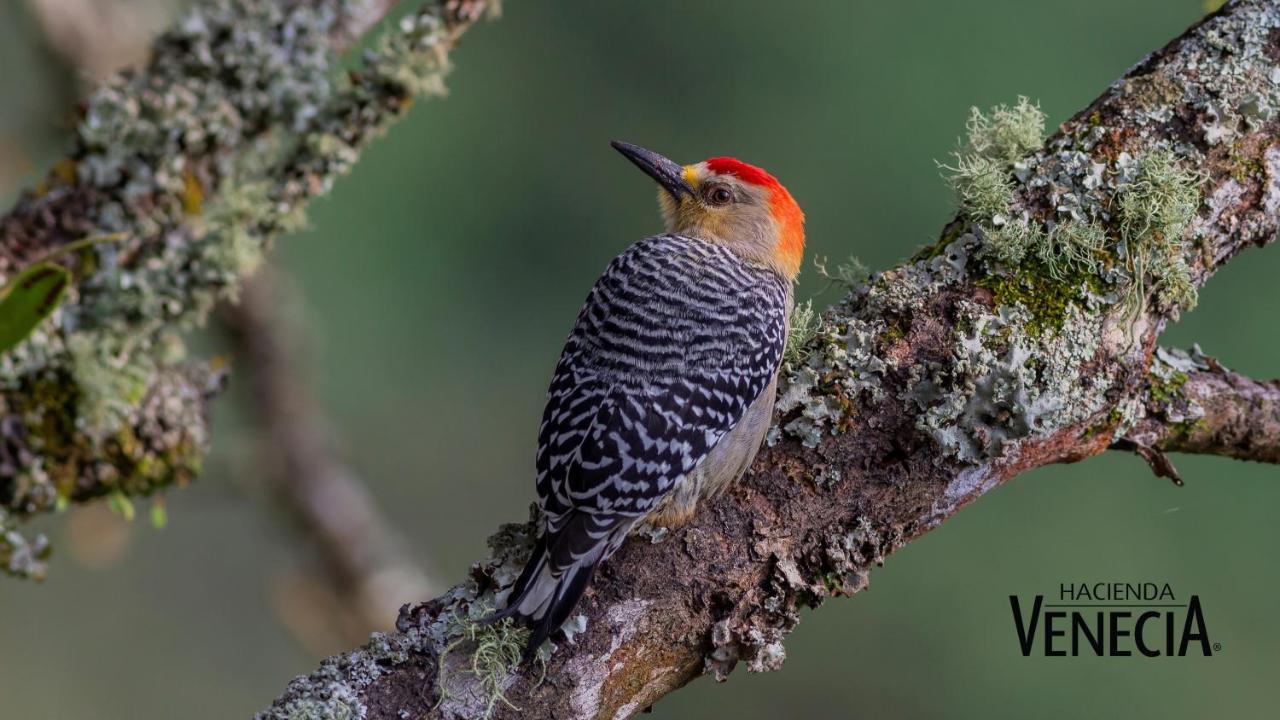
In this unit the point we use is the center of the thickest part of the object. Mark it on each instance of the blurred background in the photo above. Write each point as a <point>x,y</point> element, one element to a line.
<point>430,298</point>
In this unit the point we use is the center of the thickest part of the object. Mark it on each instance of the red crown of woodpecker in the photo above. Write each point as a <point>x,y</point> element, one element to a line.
<point>782,206</point>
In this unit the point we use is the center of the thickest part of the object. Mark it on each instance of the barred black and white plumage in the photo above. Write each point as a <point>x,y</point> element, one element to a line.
<point>676,340</point>
<point>666,384</point>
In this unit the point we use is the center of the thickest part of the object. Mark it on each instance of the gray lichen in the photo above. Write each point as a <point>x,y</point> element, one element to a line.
<point>841,567</point>
<point>474,661</point>
<point>1169,374</point>
<point>334,691</point>
<point>20,556</point>
<point>1115,235</point>
<point>828,477</point>
<point>244,113</point>
<point>992,394</point>
<point>839,363</point>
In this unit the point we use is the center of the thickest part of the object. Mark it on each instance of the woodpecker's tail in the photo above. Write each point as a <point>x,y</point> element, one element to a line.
<point>559,570</point>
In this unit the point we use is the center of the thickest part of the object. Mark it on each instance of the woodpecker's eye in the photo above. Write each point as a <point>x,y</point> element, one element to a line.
<point>719,195</point>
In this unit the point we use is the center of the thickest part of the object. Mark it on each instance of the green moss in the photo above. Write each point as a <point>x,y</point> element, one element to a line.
<point>893,332</point>
<point>80,467</point>
<point>1044,297</point>
<point>1113,419</point>
<point>1187,428</point>
<point>1243,168</point>
<point>1155,210</point>
<point>76,467</point>
<point>1045,272</point>
<point>1152,209</point>
<point>1167,389</point>
<point>1057,271</point>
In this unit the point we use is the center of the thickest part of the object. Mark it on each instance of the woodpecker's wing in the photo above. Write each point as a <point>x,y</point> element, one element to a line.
<point>675,341</point>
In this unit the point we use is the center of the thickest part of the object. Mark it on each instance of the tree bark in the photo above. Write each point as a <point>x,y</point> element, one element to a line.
<point>932,383</point>
<point>1195,405</point>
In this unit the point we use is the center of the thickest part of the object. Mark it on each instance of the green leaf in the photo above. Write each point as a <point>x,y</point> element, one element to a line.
<point>37,290</point>
<point>29,298</point>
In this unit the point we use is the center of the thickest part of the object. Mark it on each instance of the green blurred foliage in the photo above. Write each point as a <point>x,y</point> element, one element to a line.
<point>440,280</point>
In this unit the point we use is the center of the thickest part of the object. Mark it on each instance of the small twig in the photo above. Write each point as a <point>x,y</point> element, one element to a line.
<point>1160,463</point>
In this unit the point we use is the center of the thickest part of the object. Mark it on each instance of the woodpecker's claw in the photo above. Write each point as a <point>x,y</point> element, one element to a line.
<point>668,173</point>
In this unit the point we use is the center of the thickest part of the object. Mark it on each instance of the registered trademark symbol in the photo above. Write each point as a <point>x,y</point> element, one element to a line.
<point>1217,647</point>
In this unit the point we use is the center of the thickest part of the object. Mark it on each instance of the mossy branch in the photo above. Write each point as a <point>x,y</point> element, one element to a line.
<point>1193,404</point>
<point>930,384</point>
<point>198,160</point>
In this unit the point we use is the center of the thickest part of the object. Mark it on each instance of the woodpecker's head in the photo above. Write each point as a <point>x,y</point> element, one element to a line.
<point>727,201</point>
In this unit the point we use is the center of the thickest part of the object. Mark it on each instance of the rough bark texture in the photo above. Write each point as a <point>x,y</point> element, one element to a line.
<point>198,160</point>
<point>1026,336</point>
<point>1195,405</point>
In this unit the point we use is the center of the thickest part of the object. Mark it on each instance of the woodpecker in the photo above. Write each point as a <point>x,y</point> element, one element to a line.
<point>666,385</point>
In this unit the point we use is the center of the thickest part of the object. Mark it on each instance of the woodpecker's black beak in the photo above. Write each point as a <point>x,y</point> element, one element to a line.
<point>669,174</point>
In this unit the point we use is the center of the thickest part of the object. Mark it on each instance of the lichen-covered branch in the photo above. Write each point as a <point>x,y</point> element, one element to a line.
<point>242,115</point>
<point>1024,336</point>
<point>1195,405</point>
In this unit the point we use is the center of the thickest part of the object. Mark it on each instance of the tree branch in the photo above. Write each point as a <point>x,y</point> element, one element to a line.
<point>363,573</point>
<point>1195,405</point>
<point>1023,337</point>
<point>242,115</point>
